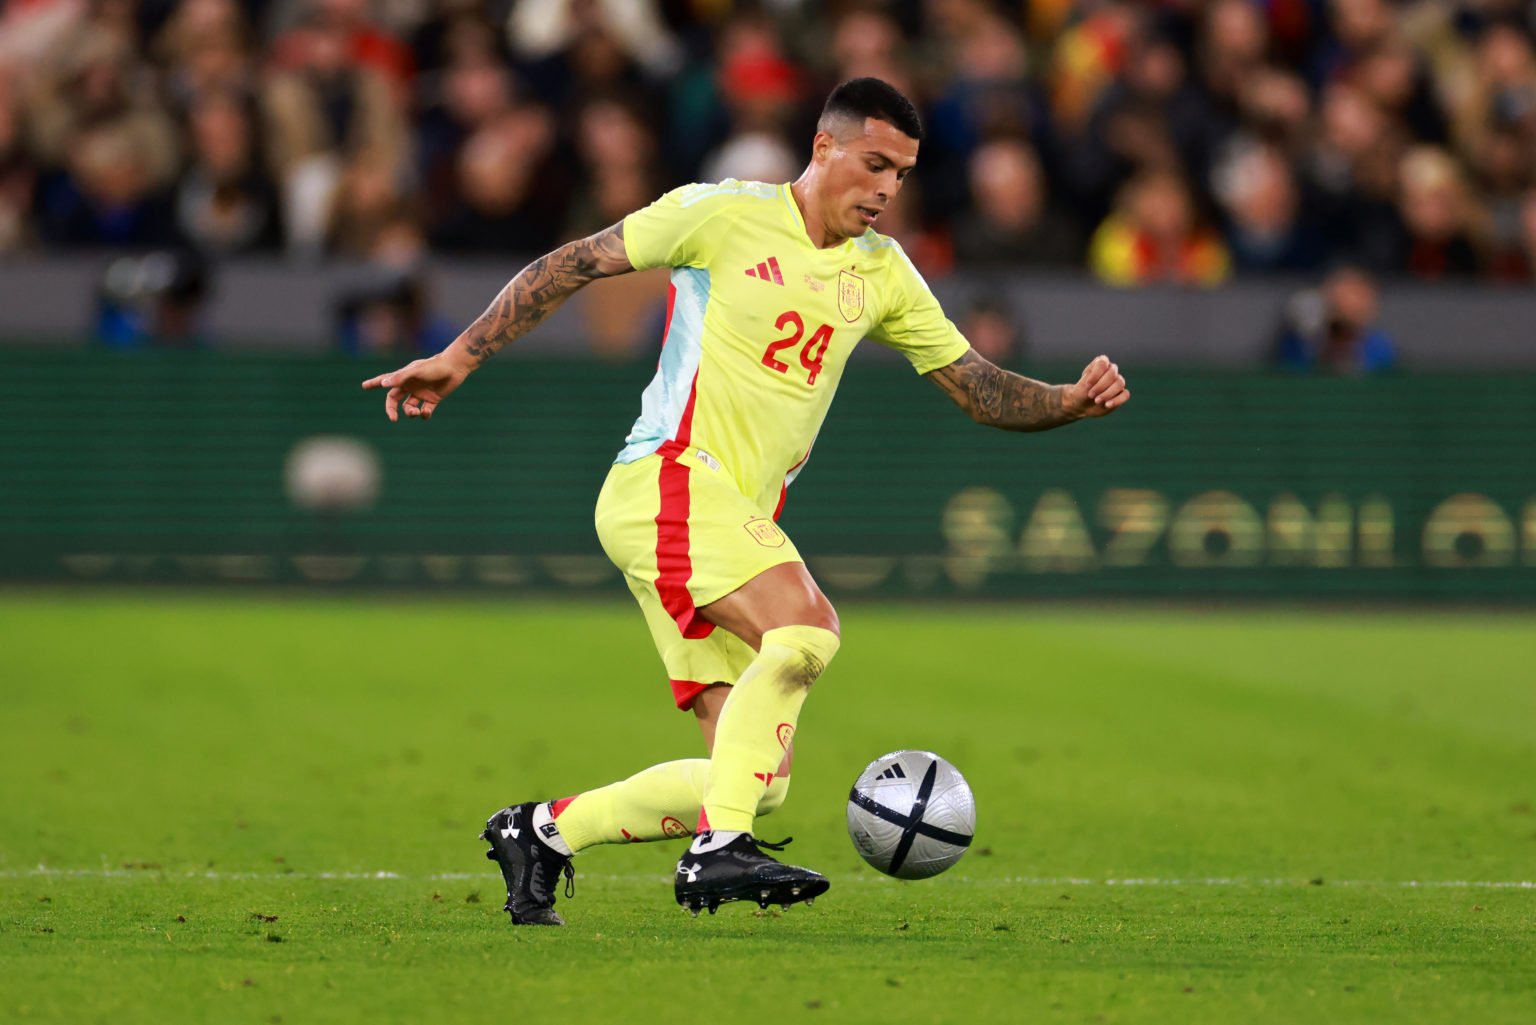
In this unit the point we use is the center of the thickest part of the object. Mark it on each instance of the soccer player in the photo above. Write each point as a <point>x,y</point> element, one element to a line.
<point>772,286</point>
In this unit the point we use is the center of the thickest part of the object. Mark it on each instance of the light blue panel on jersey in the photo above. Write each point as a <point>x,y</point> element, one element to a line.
<point>665,398</point>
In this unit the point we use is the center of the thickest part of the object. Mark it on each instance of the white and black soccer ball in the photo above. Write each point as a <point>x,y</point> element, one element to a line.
<point>911,814</point>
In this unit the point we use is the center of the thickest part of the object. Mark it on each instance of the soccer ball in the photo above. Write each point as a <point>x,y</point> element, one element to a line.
<point>911,814</point>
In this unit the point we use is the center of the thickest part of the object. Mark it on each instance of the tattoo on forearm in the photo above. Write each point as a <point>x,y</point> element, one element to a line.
<point>998,398</point>
<point>540,288</point>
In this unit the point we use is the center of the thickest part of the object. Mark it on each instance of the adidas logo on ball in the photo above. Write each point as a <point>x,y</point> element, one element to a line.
<point>911,814</point>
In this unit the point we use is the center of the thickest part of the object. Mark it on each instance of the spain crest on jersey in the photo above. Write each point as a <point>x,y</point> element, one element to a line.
<point>850,295</point>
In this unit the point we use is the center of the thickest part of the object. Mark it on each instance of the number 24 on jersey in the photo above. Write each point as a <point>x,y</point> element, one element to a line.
<point>811,353</point>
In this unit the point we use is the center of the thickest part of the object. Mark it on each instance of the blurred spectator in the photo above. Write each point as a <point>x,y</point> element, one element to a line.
<point>1438,215</point>
<point>1010,218</point>
<point>391,315</point>
<point>32,32</point>
<point>1234,43</point>
<point>455,33</point>
<point>867,43</point>
<point>760,88</point>
<point>108,196</point>
<point>1351,172</point>
<point>1499,89</point>
<point>1394,78</point>
<point>1266,227</point>
<point>156,299</point>
<point>1232,53</point>
<point>987,94</point>
<point>573,50</point>
<point>751,156</point>
<point>368,200</point>
<point>467,97</point>
<point>1359,28</point>
<point>18,173</point>
<point>363,42</point>
<point>1086,59</point>
<point>399,245</point>
<point>324,113</point>
<point>1153,237</point>
<point>205,50</point>
<point>1276,108</point>
<point>1332,329</point>
<point>98,83</point>
<point>633,28</point>
<point>1150,118</point>
<point>501,207</point>
<point>618,154</point>
<point>1504,170</point>
<point>390,311</point>
<point>993,331</point>
<point>224,203</point>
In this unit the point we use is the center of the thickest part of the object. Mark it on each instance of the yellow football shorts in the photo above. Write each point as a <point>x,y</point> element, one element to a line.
<point>684,536</point>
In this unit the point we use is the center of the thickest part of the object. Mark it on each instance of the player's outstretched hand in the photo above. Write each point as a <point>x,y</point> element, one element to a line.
<point>420,385</point>
<point>1100,391</point>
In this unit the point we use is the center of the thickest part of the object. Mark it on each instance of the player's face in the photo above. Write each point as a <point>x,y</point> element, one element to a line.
<point>864,171</point>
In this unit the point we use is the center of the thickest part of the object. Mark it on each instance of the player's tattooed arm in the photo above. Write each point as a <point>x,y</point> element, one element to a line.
<point>540,288</point>
<point>999,398</point>
<point>421,385</point>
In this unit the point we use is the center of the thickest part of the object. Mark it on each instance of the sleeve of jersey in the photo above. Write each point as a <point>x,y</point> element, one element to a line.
<point>915,324</point>
<point>673,231</point>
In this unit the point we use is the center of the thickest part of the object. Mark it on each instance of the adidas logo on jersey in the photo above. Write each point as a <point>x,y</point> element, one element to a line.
<point>768,270</point>
<point>894,772</point>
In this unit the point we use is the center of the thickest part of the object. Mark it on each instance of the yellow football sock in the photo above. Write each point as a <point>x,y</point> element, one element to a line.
<point>758,720</point>
<point>659,803</point>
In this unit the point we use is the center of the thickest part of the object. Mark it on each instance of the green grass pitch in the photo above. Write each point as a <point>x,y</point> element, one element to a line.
<point>1184,816</point>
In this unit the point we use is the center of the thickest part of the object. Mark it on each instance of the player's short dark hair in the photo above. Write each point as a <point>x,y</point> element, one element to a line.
<point>860,98</point>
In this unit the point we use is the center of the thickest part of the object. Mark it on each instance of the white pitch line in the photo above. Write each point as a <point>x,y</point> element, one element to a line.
<point>46,872</point>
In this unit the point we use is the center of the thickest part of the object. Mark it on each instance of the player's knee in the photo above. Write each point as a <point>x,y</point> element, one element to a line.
<point>774,795</point>
<point>827,620</point>
<point>808,649</point>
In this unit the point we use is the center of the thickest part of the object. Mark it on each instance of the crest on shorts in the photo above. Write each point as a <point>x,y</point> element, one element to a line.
<point>672,829</point>
<point>786,735</point>
<point>766,532</point>
<point>850,295</point>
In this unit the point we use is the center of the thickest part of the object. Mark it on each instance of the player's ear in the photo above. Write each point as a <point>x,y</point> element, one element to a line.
<point>822,146</point>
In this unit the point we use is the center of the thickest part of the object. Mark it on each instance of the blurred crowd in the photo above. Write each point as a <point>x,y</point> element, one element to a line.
<point>1178,141</point>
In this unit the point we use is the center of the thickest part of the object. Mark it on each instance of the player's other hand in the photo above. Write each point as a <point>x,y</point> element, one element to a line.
<point>1100,391</point>
<point>419,386</point>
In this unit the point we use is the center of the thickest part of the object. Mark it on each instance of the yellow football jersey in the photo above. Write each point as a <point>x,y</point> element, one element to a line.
<point>760,323</point>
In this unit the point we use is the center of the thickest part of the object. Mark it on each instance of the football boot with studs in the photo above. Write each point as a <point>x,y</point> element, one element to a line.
<point>740,870</point>
<point>531,868</point>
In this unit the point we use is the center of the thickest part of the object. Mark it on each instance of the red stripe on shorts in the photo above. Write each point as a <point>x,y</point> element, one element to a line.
<point>674,566</point>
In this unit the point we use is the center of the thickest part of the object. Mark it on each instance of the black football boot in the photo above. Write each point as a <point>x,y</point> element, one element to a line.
<point>531,868</point>
<point>741,871</point>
